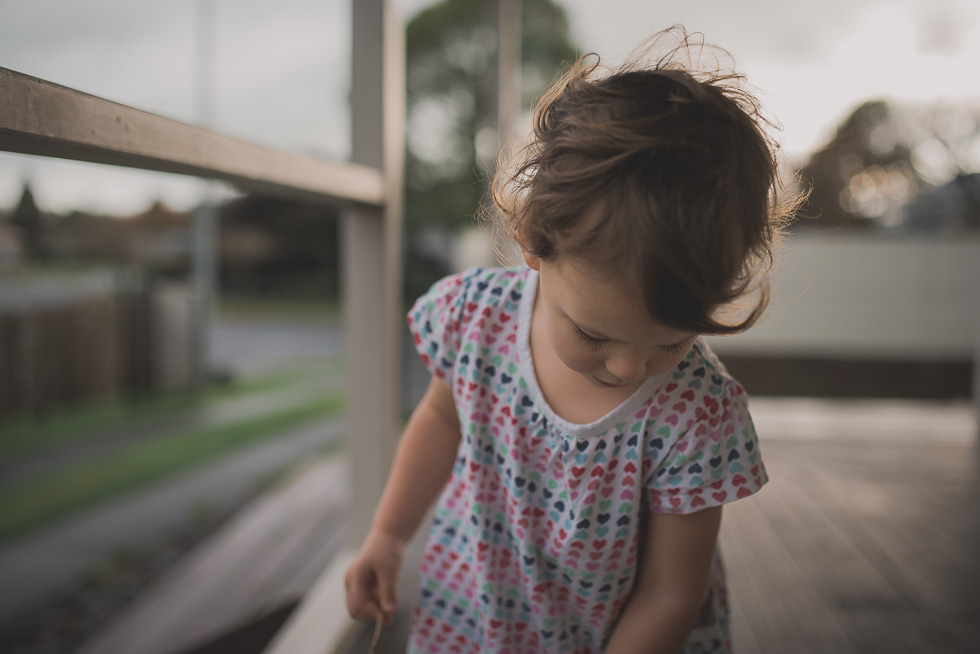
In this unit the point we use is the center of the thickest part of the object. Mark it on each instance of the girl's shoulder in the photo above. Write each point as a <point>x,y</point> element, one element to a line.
<point>464,314</point>
<point>702,363</point>
<point>473,292</point>
<point>699,388</point>
<point>701,448</point>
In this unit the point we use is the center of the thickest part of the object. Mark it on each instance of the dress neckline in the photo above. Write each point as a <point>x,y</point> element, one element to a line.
<point>526,365</point>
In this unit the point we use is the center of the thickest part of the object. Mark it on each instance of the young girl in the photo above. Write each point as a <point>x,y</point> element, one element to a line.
<point>580,435</point>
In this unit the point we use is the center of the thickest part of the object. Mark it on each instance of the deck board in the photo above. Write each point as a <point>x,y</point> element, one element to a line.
<point>259,564</point>
<point>817,554</point>
<point>751,543</point>
<point>880,537</point>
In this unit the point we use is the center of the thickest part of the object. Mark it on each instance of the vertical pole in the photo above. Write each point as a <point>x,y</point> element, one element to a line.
<point>372,259</point>
<point>504,86</point>
<point>204,225</point>
<point>508,69</point>
<point>503,89</point>
<point>975,389</point>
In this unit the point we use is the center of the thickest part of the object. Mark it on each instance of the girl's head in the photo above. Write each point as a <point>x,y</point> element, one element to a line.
<point>660,175</point>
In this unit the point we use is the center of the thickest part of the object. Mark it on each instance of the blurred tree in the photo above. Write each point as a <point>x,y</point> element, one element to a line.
<point>451,137</point>
<point>27,217</point>
<point>883,156</point>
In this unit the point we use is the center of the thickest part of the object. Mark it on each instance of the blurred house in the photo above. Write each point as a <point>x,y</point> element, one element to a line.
<point>11,247</point>
<point>953,207</point>
<point>157,239</point>
<point>272,246</point>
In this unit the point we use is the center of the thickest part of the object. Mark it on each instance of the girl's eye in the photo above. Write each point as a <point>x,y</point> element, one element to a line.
<point>593,343</point>
<point>676,347</point>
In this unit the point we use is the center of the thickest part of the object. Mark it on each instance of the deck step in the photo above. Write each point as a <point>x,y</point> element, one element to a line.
<point>256,567</point>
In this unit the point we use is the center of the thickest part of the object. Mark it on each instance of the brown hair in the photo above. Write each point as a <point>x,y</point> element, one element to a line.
<point>657,171</point>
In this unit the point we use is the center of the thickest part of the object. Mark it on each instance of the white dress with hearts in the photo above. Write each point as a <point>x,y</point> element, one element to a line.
<point>535,539</point>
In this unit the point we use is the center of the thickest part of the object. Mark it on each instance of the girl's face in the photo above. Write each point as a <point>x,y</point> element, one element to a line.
<point>600,328</point>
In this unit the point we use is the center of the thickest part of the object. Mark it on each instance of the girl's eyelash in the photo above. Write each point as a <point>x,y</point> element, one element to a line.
<point>594,343</point>
<point>676,347</point>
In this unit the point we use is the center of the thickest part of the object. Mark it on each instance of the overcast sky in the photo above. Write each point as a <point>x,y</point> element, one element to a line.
<point>282,68</point>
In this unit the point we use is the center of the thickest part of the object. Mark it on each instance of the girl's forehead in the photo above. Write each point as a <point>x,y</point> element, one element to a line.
<point>602,303</point>
<point>588,280</point>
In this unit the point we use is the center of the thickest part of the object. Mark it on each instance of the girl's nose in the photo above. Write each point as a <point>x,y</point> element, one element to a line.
<point>626,368</point>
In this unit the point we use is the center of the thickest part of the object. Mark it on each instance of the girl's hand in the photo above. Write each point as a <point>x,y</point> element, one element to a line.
<point>371,579</point>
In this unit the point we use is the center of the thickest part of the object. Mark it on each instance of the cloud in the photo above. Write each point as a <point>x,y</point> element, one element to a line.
<point>283,68</point>
<point>944,27</point>
<point>282,78</point>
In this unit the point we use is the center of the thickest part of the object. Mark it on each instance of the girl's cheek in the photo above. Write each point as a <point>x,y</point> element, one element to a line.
<point>577,364</point>
<point>572,353</point>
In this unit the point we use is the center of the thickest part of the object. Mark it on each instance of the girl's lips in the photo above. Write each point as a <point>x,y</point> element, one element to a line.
<point>606,384</point>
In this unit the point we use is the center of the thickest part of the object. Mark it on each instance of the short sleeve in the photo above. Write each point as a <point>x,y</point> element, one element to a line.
<point>435,323</point>
<point>715,461</point>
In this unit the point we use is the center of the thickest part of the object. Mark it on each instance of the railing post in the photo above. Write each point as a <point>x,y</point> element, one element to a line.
<point>372,256</point>
<point>372,259</point>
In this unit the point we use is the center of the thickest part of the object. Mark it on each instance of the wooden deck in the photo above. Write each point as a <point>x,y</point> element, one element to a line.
<point>858,547</point>
<point>866,540</point>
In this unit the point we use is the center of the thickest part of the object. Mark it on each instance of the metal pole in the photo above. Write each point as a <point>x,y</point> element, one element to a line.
<point>205,215</point>
<point>508,69</point>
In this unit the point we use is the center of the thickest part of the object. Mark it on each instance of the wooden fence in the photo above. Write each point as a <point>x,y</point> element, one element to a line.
<point>55,353</point>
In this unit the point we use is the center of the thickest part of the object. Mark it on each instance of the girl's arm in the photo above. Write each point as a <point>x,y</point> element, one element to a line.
<point>422,466</point>
<point>670,589</point>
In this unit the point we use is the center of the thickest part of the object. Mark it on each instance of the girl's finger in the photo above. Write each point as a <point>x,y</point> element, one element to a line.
<point>361,596</point>
<point>386,592</point>
<point>365,612</point>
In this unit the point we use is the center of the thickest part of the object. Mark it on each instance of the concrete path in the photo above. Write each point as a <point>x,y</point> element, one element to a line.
<point>249,346</point>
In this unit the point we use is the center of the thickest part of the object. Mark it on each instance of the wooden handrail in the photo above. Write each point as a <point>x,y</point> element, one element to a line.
<point>42,118</point>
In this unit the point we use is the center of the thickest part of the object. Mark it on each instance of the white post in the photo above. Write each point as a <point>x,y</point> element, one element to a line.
<point>372,304</point>
<point>975,390</point>
<point>373,259</point>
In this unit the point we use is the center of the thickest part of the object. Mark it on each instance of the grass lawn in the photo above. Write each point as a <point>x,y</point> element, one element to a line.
<point>27,433</point>
<point>328,312</point>
<point>39,501</point>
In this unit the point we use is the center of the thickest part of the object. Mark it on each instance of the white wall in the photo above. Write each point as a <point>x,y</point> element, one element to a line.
<point>880,296</point>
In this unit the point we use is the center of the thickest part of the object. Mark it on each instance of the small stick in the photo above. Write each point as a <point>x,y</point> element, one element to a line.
<point>377,633</point>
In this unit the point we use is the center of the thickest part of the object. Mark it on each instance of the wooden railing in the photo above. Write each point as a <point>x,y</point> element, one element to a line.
<point>39,117</point>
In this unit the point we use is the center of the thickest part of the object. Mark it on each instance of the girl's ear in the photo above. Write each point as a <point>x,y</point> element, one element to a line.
<point>533,262</point>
